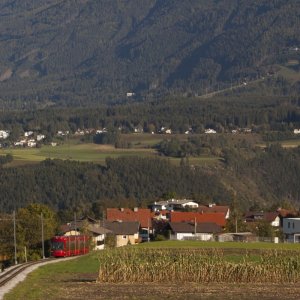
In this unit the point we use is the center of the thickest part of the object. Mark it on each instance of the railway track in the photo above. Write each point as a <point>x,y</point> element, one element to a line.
<point>18,269</point>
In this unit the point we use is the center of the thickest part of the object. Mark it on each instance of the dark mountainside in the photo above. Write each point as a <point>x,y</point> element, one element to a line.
<point>82,52</point>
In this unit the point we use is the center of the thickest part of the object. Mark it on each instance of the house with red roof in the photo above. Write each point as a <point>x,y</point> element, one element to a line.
<point>141,215</point>
<point>213,208</point>
<point>194,231</point>
<point>198,217</point>
<point>273,218</point>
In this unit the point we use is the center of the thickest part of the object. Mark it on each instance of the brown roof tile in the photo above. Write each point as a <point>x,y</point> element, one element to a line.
<point>218,218</point>
<point>122,227</point>
<point>188,227</point>
<point>142,215</point>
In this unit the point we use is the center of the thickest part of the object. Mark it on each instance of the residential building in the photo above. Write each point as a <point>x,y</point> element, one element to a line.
<point>213,208</point>
<point>125,232</point>
<point>271,217</point>
<point>217,218</point>
<point>210,131</point>
<point>174,204</point>
<point>291,229</point>
<point>193,230</point>
<point>141,215</point>
<point>4,134</point>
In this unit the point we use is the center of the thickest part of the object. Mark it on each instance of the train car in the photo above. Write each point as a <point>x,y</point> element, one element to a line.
<point>63,246</point>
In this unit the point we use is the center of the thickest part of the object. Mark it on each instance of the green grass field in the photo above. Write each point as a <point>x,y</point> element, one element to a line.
<point>48,281</point>
<point>289,73</point>
<point>220,245</point>
<point>88,152</point>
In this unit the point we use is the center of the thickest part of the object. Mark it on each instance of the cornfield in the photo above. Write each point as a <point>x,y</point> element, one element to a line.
<point>195,265</point>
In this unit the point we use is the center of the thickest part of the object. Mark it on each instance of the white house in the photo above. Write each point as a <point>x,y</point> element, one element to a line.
<point>291,229</point>
<point>31,143</point>
<point>28,133</point>
<point>193,231</point>
<point>40,137</point>
<point>296,131</point>
<point>98,235</point>
<point>4,134</point>
<point>209,131</point>
<point>174,204</point>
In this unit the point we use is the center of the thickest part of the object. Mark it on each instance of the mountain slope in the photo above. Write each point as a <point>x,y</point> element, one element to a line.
<point>87,51</point>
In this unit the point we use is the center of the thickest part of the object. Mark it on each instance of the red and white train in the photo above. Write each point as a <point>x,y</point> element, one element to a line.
<point>63,246</point>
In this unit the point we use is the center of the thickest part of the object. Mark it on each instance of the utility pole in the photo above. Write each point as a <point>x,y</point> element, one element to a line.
<point>75,230</point>
<point>15,238</point>
<point>148,236</point>
<point>43,246</point>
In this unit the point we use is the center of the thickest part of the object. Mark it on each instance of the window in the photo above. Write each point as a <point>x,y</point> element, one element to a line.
<point>293,225</point>
<point>124,236</point>
<point>289,225</point>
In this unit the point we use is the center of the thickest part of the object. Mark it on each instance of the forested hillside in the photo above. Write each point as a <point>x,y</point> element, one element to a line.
<point>256,176</point>
<point>83,52</point>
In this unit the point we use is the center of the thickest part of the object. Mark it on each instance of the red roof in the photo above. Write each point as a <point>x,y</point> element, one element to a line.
<point>218,218</point>
<point>142,215</point>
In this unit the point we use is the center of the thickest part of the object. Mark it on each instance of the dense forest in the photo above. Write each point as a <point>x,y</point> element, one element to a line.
<point>256,176</point>
<point>239,109</point>
<point>78,53</point>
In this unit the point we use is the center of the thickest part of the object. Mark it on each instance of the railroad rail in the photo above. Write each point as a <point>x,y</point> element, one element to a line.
<point>12,272</point>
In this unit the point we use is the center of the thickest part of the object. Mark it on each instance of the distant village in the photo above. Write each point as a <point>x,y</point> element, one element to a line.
<point>33,139</point>
<point>185,219</point>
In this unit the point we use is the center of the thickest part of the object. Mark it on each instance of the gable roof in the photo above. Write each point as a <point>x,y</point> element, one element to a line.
<point>285,213</point>
<point>257,216</point>
<point>218,218</point>
<point>97,229</point>
<point>142,215</point>
<point>271,216</point>
<point>122,227</point>
<point>188,227</point>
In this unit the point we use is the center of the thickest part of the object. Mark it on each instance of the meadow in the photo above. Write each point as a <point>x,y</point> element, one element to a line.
<point>141,145</point>
<point>74,149</point>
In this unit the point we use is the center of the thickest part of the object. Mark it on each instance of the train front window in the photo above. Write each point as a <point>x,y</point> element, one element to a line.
<point>57,246</point>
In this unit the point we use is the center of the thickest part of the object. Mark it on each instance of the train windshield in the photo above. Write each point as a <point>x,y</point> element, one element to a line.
<point>57,246</point>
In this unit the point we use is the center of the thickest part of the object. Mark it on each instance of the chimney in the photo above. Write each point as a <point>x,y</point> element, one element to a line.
<point>136,209</point>
<point>121,209</point>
